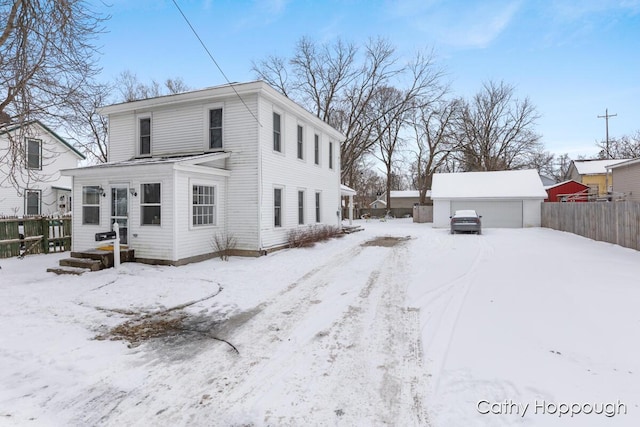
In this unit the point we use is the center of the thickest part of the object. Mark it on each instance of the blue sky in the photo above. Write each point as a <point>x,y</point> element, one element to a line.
<point>572,58</point>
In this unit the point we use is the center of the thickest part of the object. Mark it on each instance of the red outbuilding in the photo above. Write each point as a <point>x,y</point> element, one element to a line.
<point>567,191</point>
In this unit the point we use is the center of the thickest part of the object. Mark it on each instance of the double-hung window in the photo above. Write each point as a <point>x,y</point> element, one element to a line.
<point>300,142</point>
<point>34,154</point>
<point>215,128</point>
<point>204,205</point>
<point>330,155</point>
<point>316,149</point>
<point>277,207</point>
<point>277,140</point>
<point>91,204</point>
<point>150,206</point>
<point>300,207</point>
<point>32,202</point>
<point>318,206</point>
<point>144,130</point>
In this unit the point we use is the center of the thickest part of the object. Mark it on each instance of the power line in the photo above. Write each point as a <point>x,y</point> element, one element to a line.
<point>606,117</point>
<point>215,62</point>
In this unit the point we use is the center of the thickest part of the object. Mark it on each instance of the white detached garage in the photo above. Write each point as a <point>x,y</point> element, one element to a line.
<point>509,199</point>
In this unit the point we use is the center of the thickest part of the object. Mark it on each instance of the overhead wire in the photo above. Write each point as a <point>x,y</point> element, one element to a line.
<point>214,61</point>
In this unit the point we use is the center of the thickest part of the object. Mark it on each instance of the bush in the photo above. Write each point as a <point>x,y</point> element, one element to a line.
<point>224,244</point>
<point>307,237</point>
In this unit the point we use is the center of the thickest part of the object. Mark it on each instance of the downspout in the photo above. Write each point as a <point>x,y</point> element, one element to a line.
<point>260,180</point>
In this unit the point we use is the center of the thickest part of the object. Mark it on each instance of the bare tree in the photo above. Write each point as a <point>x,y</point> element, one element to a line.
<point>85,127</point>
<point>386,130</point>
<point>337,82</point>
<point>496,130</point>
<point>625,147</point>
<point>434,133</point>
<point>132,89</point>
<point>543,161</point>
<point>561,169</point>
<point>46,55</point>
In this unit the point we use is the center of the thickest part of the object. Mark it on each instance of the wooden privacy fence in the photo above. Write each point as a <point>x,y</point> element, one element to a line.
<point>614,222</point>
<point>21,236</point>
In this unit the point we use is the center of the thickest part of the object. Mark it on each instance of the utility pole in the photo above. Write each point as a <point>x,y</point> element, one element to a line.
<point>606,118</point>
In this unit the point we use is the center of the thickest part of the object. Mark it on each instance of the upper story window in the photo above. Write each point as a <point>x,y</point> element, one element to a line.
<point>300,142</point>
<point>215,128</point>
<point>34,154</point>
<point>316,149</point>
<point>330,155</point>
<point>144,131</point>
<point>277,140</point>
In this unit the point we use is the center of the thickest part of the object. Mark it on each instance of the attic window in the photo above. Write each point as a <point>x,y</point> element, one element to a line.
<point>34,154</point>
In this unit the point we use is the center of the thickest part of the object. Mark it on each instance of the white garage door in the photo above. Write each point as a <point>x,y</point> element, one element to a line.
<point>495,214</point>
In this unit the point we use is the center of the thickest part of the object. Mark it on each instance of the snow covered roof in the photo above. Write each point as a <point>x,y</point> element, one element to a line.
<point>595,167</point>
<point>517,184</point>
<point>624,163</point>
<point>405,193</point>
<point>548,187</point>
<point>347,191</point>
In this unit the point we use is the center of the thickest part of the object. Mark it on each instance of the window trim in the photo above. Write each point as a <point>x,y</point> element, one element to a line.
<point>144,204</point>
<point>26,201</point>
<point>26,152</point>
<point>214,186</point>
<point>300,142</point>
<point>280,139</point>
<point>139,119</point>
<point>92,205</point>
<point>278,217</point>
<point>207,126</point>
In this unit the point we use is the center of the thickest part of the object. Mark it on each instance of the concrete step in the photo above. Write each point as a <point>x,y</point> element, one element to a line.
<point>67,270</point>
<point>105,256</point>
<point>88,263</point>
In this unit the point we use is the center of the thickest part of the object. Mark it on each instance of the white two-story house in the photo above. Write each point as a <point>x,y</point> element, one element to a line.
<point>31,157</point>
<point>236,160</point>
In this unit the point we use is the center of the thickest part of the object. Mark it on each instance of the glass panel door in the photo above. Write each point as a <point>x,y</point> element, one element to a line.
<point>120,209</point>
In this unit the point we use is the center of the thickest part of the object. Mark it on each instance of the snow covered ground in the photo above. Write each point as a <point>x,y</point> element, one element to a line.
<point>417,328</point>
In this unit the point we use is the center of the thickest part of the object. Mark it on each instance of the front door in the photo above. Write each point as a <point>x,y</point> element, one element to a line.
<point>120,209</point>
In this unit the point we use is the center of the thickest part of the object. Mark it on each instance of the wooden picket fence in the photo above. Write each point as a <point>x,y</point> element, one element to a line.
<point>38,235</point>
<point>612,222</point>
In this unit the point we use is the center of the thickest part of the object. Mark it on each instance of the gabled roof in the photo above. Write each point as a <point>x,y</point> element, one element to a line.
<point>549,187</point>
<point>404,193</point>
<point>595,167</point>
<point>518,184</point>
<point>222,91</point>
<point>11,128</point>
<point>624,163</point>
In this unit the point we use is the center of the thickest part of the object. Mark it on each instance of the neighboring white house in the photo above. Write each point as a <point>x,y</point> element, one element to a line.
<point>236,160</point>
<point>35,186</point>
<point>504,199</point>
